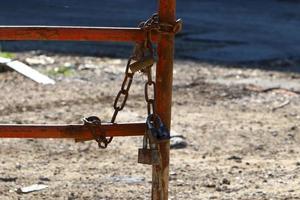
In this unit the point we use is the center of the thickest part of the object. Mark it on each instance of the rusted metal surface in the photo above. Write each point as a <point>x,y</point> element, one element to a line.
<point>94,123</point>
<point>122,96</point>
<point>164,80</point>
<point>76,131</point>
<point>71,33</point>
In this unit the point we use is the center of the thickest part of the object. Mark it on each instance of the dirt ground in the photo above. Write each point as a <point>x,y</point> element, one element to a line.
<point>243,137</point>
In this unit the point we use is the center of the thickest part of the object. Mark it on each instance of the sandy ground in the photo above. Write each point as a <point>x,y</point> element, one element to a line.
<point>243,137</point>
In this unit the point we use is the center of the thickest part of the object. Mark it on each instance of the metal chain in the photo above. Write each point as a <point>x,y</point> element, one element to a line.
<point>148,26</point>
<point>153,24</point>
<point>119,104</point>
<point>121,98</point>
<point>150,99</point>
<point>94,122</point>
<point>124,91</point>
<point>141,50</point>
<point>139,53</point>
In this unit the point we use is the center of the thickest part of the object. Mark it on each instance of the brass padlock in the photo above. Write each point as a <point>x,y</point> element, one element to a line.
<point>148,156</point>
<point>142,64</point>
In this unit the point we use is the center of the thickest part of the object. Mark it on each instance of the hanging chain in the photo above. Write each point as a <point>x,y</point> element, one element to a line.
<point>119,104</point>
<point>120,101</point>
<point>122,96</point>
<point>141,52</point>
<point>150,92</point>
<point>148,26</point>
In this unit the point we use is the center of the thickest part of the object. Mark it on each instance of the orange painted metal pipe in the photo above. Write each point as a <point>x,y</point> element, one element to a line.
<point>73,33</point>
<point>164,80</point>
<point>81,132</point>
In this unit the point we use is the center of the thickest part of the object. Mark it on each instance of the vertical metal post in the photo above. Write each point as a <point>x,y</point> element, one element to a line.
<point>164,80</point>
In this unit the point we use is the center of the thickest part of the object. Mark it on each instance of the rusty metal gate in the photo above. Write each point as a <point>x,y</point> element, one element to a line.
<point>160,29</point>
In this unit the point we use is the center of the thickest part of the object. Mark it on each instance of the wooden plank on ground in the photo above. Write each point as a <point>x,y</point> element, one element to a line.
<point>29,72</point>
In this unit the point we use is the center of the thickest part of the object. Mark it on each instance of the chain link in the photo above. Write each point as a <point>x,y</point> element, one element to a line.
<point>94,123</point>
<point>148,26</point>
<point>141,51</point>
<point>124,91</point>
<point>154,24</point>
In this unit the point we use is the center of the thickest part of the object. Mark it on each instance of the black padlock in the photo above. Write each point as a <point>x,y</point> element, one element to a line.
<point>157,129</point>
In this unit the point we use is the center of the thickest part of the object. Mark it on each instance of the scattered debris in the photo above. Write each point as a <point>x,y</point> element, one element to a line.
<point>222,188</point>
<point>18,166</point>
<point>26,71</point>
<point>235,158</point>
<point>87,67</point>
<point>225,181</point>
<point>259,89</point>
<point>178,142</point>
<point>127,179</point>
<point>31,188</point>
<point>287,102</point>
<point>40,60</point>
<point>29,72</point>
<point>259,147</point>
<point>256,88</point>
<point>209,184</point>
<point>4,60</point>
<point>8,179</point>
<point>44,179</point>
<point>61,70</point>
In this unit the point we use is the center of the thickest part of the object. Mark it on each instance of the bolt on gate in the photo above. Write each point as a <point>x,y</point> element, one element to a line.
<point>159,29</point>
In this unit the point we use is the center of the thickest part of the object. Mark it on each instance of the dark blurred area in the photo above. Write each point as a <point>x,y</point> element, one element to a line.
<point>227,32</point>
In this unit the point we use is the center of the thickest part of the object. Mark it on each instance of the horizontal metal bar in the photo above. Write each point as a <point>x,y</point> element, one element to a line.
<point>73,33</point>
<point>77,131</point>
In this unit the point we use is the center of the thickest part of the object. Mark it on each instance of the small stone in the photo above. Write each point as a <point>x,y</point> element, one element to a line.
<point>225,181</point>
<point>31,188</point>
<point>221,188</point>
<point>209,185</point>
<point>178,142</point>
<point>218,189</point>
<point>18,166</point>
<point>8,179</point>
<point>259,147</point>
<point>44,179</point>
<point>127,179</point>
<point>235,158</point>
<point>40,60</point>
<point>274,133</point>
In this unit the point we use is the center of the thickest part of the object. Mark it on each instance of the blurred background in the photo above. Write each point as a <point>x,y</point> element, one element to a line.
<point>227,32</point>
